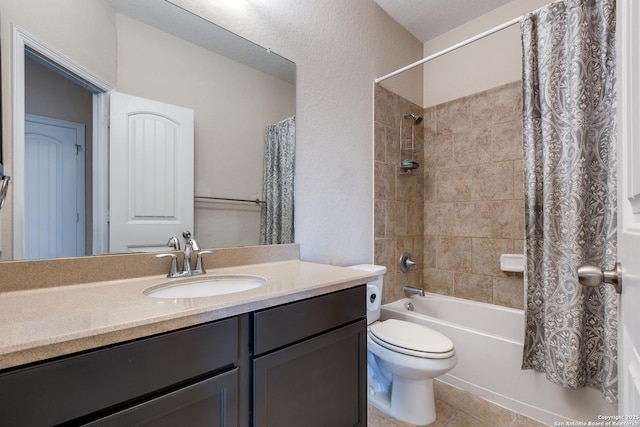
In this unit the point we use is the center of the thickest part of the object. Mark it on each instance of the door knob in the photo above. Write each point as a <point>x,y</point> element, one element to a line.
<point>592,276</point>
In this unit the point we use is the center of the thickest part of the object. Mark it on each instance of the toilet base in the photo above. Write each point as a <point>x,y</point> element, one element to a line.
<point>409,401</point>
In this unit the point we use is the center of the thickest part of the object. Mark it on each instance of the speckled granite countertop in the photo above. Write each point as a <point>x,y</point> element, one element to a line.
<point>38,324</point>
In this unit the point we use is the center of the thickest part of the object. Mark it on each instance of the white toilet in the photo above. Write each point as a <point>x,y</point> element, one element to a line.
<point>402,360</point>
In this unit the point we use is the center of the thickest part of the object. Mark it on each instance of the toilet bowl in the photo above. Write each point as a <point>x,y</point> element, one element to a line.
<point>403,358</point>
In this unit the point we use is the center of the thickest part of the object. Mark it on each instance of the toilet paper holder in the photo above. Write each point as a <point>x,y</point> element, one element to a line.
<point>373,298</point>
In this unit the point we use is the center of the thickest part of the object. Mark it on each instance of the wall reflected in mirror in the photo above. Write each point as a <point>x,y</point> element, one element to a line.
<point>154,58</point>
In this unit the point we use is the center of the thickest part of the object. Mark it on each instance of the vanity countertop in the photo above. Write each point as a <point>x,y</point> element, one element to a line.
<point>38,324</point>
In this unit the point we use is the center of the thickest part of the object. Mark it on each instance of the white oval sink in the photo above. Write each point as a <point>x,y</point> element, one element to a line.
<point>197,287</point>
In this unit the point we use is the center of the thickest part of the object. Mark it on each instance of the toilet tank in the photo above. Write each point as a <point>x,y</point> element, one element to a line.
<point>374,290</point>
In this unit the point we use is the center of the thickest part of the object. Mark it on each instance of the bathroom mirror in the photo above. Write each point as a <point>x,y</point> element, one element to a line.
<point>161,52</point>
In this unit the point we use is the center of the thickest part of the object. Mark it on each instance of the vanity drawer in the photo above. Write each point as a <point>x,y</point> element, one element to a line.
<point>279,326</point>
<point>62,390</point>
<point>211,402</point>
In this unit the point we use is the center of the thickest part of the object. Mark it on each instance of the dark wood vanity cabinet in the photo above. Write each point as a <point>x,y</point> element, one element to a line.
<point>309,362</point>
<point>298,364</point>
<point>190,374</point>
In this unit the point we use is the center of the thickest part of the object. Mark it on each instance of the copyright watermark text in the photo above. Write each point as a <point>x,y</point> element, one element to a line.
<point>604,420</point>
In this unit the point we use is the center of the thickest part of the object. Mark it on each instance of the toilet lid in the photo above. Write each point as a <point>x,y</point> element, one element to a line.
<point>412,337</point>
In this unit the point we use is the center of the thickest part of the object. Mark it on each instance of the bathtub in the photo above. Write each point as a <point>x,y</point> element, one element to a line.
<point>488,340</point>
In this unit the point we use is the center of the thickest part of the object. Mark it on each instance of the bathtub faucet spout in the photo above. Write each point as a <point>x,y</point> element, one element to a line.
<point>410,290</point>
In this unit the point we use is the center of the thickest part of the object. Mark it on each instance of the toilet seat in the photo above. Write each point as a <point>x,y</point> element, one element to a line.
<point>411,339</point>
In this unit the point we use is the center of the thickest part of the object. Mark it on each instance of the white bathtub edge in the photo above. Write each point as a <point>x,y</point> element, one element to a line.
<point>505,402</point>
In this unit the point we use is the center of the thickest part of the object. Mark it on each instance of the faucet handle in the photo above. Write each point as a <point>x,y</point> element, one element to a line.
<point>406,262</point>
<point>173,272</point>
<point>199,267</point>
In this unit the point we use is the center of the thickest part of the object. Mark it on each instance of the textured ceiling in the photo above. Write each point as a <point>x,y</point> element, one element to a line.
<point>427,19</point>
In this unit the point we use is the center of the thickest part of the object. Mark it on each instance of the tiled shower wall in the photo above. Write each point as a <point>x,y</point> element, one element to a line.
<point>398,198</point>
<point>468,196</point>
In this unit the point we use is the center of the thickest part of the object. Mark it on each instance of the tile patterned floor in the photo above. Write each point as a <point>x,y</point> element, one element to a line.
<point>457,408</point>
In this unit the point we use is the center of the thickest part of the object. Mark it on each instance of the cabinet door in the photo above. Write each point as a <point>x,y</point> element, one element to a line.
<point>211,403</point>
<point>319,382</point>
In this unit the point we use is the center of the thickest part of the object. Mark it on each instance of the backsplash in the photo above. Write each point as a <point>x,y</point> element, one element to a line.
<point>470,190</point>
<point>23,275</point>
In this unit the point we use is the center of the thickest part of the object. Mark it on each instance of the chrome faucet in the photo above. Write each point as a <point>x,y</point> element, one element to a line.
<point>189,247</point>
<point>410,290</point>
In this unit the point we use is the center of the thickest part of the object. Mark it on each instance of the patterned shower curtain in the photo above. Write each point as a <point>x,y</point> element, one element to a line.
<point>276,225</point>
<point>569,104</point>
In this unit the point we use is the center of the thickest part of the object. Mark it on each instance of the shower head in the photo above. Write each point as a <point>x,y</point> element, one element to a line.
<point>416,119</point>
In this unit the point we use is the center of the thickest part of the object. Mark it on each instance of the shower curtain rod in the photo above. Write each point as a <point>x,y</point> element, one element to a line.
<point>451,48</point>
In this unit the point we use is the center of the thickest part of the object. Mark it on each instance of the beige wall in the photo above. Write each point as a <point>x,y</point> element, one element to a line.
<point>484,64</point>
<point>82,30</point>
<point>409,85</point>
<point>339,48</point>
